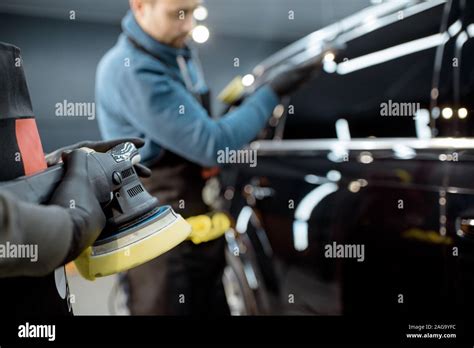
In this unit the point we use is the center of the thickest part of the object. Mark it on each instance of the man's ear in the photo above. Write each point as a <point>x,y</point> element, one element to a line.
<point>137,7</point>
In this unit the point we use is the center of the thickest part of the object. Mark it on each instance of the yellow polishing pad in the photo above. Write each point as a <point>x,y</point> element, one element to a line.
<point>148,241</point>
<point>132,251</point>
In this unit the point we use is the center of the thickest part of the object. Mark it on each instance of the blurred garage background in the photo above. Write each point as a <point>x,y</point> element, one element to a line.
<point>60,55</point>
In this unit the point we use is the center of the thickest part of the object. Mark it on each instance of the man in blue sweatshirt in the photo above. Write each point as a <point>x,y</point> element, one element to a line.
<point>149,86</point>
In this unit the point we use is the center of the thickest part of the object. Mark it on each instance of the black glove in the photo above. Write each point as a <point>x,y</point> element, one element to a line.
<point>75,193</point>
<point>99,146</point>
<point>289,81</point>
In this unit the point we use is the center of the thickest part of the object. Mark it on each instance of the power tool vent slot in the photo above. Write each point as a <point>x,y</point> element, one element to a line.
<point>135,190</point>
<point>127,172</point>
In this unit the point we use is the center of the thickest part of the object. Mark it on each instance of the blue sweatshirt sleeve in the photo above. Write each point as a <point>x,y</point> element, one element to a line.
<point>164,111</point>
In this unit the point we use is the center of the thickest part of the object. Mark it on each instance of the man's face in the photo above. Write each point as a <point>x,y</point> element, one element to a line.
<point>168,21</point>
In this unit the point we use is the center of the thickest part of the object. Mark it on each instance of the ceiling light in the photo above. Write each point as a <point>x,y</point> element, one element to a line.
<point>447,113</point>
<point>200,34</point>
<point>200,13</point>
<point>462,113</point>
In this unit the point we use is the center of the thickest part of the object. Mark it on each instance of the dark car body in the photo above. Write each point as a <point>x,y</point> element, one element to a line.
<point>407,201</point>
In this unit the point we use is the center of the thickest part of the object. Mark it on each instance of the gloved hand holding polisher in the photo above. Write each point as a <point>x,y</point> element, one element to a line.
<point>116,223</point>
<point>76,192</point>
<point>72,220</point>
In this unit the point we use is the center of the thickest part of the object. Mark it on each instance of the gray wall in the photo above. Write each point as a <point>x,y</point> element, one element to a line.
<point>60,59</point>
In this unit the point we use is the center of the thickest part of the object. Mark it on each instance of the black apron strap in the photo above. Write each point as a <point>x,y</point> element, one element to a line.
<point>21,153</point>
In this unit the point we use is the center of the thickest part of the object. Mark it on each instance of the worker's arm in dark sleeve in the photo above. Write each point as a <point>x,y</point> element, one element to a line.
<point>164,111</point>
<point>60,231</point>
<point>49,229</point>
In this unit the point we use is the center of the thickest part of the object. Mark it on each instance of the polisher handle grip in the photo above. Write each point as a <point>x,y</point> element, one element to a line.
<point>38,188</point>
<point>125,152</point>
